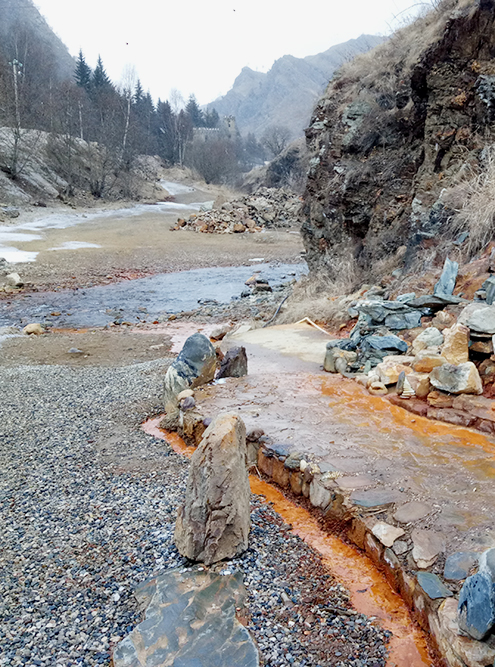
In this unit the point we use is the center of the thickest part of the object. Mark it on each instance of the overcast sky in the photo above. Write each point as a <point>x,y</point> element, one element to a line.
<point>199,46</point>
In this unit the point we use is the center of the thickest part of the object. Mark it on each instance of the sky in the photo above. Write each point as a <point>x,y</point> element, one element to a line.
<point>199,47</point>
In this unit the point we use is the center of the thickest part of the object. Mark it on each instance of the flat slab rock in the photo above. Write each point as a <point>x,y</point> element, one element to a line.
<point>190,621</point>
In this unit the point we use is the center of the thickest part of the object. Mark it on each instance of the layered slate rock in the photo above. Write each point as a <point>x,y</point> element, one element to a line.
<point>214,522</point>
<point>445,286</point>
<point>234,364</point>
<point>195,365</point>
<point>190,620</point>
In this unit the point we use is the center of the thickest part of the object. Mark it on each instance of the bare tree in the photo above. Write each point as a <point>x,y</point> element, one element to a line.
<point>276,138</point>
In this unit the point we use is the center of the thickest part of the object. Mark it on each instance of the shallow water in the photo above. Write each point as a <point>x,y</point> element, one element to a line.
<point>141,299</point>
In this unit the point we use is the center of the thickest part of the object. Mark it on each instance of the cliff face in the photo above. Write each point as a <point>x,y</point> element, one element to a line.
<point>287,93</point>
<point>396,130</point>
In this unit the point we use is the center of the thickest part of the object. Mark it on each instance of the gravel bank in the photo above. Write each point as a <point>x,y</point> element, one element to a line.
<point>87,506</point>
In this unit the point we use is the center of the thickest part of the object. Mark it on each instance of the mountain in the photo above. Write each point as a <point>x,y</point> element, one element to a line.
<point>287,93</point>
<point>18,16</point>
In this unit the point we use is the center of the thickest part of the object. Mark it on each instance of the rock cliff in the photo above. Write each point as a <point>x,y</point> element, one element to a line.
<point>394,135</point>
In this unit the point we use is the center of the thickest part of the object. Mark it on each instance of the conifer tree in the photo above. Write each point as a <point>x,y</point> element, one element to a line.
<point>100,78</point>
<point>83,74</point>
<point>195,113</point>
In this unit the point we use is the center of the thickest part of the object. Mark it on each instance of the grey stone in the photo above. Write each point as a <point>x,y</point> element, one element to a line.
<point>278,449</point>
<point>477,605</point>
<point>190,622</point>
<point>433,586</point>
<point>435,302</point>
<point>195,365</point>
<point>187,403</point>
<point>478,317</point>
<point>445,286</point>
<point>427,546</point>
<point>14,280</point>
<point>431,337</point>
<point>213,524</point>
<point>489,287</point>
<point>404,298</point>
<point>400,547</point>
<point>400,383</point>
<point>408,320</point>
<point>375,498</point>
<point>487,563</point>
<point>457,565</point>
<point>234,364</point>
<point>413,511</point>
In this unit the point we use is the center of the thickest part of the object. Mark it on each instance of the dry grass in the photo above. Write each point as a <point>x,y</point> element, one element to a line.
<point>401,51</point>
<point>477,215</point>
<point>323,299</point>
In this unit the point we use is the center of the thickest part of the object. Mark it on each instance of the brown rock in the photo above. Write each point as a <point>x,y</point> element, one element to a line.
<point>413,511</point>
<point>238,228</point>
<point>438,399</point>
<point>487,371</point>
<point>35,329</point>
<point>481,407</point>
<point>420,382</point>
<point>442,320</point>
<point>426,361</point>
<point>214,522</point>
<point>482,347</point>
<point>378,389</point>
<point>455,348</point>
<point>389,371</point>
<point>461,379</point>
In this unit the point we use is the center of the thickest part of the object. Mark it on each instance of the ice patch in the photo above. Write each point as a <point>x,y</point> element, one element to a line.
<point>75,245</point>
<point>16,256</point>
<point>175,188</point>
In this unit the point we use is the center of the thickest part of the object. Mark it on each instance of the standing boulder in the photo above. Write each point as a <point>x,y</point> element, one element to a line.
<point>195,365</point>
<point>456,345</point>
<point>214,521</point>
<point>233,364</point>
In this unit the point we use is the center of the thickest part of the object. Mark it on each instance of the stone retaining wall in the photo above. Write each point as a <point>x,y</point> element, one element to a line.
<point>368,521</point>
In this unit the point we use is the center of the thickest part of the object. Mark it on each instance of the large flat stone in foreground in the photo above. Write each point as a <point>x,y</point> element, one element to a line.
<point>190,622</point>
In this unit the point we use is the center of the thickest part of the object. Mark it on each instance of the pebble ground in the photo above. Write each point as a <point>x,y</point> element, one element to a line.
<point>87,509</point>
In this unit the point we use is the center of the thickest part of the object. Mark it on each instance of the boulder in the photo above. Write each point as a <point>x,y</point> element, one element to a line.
<point>427,360</point>
<point>455,348</point>
<point>430,337</point>
<point>478,317</point>
<point>389,371</point>
<point>477,603</point>
<point>195,365</point>
<point>333,354</point>
<point>213,524</point>
<point>445,286</point>
<point>14,280</point>
<point>34,328</point>
<point>461,379</point>
<point>234,364</point>
<point>420,383</point>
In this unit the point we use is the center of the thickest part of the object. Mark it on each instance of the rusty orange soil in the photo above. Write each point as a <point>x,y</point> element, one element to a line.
<point>370,592</point>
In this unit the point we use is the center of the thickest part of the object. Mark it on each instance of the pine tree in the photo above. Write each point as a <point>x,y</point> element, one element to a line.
<point>83,73</point>
<point>212,119</point>
<point>100,78</point>
<point>138,93</point>
<point>195,113</point>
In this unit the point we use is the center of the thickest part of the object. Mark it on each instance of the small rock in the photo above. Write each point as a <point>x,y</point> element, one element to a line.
<point>457,565</point>
<point>427,546</point>
<point>185,394</point>
<point>14,280</point>
<point>445,286</point>
<point>378,389</point>
<point>75,350</point>
<point>430,337</point>
<point>426,361</point>
<point>386,533</point>
<point>35,328</point>
<point>413,511</point>
<point>433,586</point>
<point>455,348</point>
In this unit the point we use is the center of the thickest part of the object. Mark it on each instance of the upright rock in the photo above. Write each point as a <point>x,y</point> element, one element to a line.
<point>445,286</point>
<point>195,365</point>
<point>234,363</point>
<point>455,348</point>
<point>214,522</point>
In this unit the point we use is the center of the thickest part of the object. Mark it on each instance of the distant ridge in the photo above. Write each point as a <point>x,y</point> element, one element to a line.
<point>287,93</point>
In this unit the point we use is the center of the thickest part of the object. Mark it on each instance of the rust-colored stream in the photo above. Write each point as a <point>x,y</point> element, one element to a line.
<point>370,591</point>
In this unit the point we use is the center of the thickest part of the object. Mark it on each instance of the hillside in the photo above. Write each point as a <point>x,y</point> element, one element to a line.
<point>400,145</point>
<point>286,94</point>
<point>17,15</point>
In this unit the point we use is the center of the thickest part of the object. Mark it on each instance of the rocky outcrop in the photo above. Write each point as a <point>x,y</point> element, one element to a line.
<point>394,131</point>
<point>214,522</point>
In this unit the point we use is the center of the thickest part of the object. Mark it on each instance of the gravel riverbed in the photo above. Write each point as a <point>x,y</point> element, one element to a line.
<point>87,509</point>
